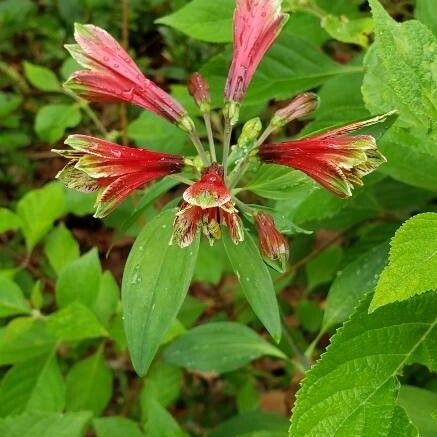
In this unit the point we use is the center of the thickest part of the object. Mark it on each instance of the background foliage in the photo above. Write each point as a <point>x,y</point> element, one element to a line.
<point>64,366</point>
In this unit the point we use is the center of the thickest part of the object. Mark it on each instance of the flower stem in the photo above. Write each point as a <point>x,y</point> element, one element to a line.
<point>207,118</point>
<point>226,144</point>
<point>181,179</point>
<point>199,147</point>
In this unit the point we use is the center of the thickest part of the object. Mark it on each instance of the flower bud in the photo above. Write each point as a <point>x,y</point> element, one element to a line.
<point>231,111</point>
<point>273,246</point>
<point>250,132</point>
<point>301,105</point>
<point>198,88</point>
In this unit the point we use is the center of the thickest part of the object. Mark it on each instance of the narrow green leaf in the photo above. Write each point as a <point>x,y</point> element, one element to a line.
<point>255,281</point>
<point>116,427</point>
<point>108,298</point>
<point>41,77</point>
<point>9,221</point>
<point>218,347</point>
<point>155,283</point>
<point>354,385</point>
<point>412,267</point>
<point>32,385</point>
<point>12,301</point>
<point>89,385</point>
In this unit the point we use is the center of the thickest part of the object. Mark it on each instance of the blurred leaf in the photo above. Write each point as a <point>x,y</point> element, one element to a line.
<point>89,385</point>
<point>107,299</point>
<point>39,424</point>
<point>204,20</point>
<point>75,322</point>
<point>38,209</point>
<point>251,422</point>
<point>306,26</point>
<point>421,407</point>
<point>32,385</point>
<point>12,301</point>
<point>412,267</point>
<point>355,379</point>
<point>61,248</point>
<point>355,31</point>
<point>41,77</point>
<point>191,309</point>
<point>36,295</point>
<point>80,280</point>
<point>218,347</point>
<point>352,283</point>
<point>24,339</point>
<point>116,427</point>
<point>9,103</point>
<point>322,268</point>
<point>155,283</point>
<point>310,315</point>
<point>255,281</point>
<point>425,12</point>
<point>52,121</point>
<point>210,263</point>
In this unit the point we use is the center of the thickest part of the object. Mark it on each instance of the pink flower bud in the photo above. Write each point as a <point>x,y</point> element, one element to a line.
<point>199,89</point>
<point>302,105</point>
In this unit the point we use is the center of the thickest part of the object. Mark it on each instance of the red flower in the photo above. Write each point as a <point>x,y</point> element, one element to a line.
<point>335,159</point>
<point>257,23</point>
<point>207,205</point>
<point>199,89</point>
<point>112,170</point>
<point>273,246</point>
<point>112,76</point>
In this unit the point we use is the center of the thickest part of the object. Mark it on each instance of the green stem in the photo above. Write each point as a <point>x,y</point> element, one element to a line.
<point>301,358</point>
<point>226,144</point>
<point>181,179</point>
<point>199,147</point>
<point>310,349</point>
<point>207,119</point>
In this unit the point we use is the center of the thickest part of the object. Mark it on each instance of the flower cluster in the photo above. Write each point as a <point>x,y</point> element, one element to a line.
<point>337,159</point>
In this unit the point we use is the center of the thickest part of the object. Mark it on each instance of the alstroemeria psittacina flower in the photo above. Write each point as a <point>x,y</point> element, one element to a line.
<point>257,24</point>
<point>111,170</point>
<point>112,76</point>
<point>273,246</point>
<point>336,159</point>
<point>207,204</point>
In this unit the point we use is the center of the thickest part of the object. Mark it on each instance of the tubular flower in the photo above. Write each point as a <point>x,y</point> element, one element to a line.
<point>335,159</point>
<point>257,24</point>
<point>111,170</point>
<point>207,204</point>
<point>112,76</point>
<point>302,105</point>
<point>198,88</point>
<point>273,246</point>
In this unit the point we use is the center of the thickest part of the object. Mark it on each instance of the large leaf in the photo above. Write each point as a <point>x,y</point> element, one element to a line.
<point>218,347</point>
<point>8,220</point>
<point>116,427</point>
<point>412,267</point>
<point>41,77</point>
<point>32,385</point>
<point>352,390</point>
<point>12,301</point>
<point>155,283</point>
<point>255,281</point>
<point>89,385</point>
<point>425,12</point>
<point>204,20</point>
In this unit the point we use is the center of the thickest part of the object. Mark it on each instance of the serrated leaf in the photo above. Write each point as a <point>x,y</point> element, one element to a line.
<point>412,267</point>
<point>38,209</point>
<point>155,283</point>
<point>116,427</point>
<point>352,389</point>
<point>41,77</point>
<point>39,424</point>
<point>9,221</point>
<point>89,385</point>
<point>218,347</point>
<point>12,301</point>
<point>204,20</point>
<point>32,385</point>
<point>255,281</point>
<point>352,283</point>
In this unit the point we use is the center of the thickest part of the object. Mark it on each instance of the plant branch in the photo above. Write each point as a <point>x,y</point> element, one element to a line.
<point>207,119</point>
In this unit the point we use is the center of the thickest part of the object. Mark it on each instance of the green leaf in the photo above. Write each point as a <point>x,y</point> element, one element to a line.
<point>425,12</point>
<point>12,301</point>
<point>421,407</point>
<point>210,264</point>
<point>52,121</point>
<point>38,209</point>
<point>89,385</point>
<point>218,347</point>
<point>321,269</point>
<point>252,422</point>
<point>204,20</point>
<point>9,221</point>
<point>255,281</point>
<point>412,267</point>
<point>402,76</point>
<point>61,248</point>
<point>116,427</point>
<point>107,299</point>
<point>353,385</point>
<point>79,281</point>
<point>75,322</point>
<point>32,385</point>
<point>355,31</point>
<point>24,339</point>
<point>41,77</point>
<point>155,283</point>
<point>352,283</point>
<point>39,424</point>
